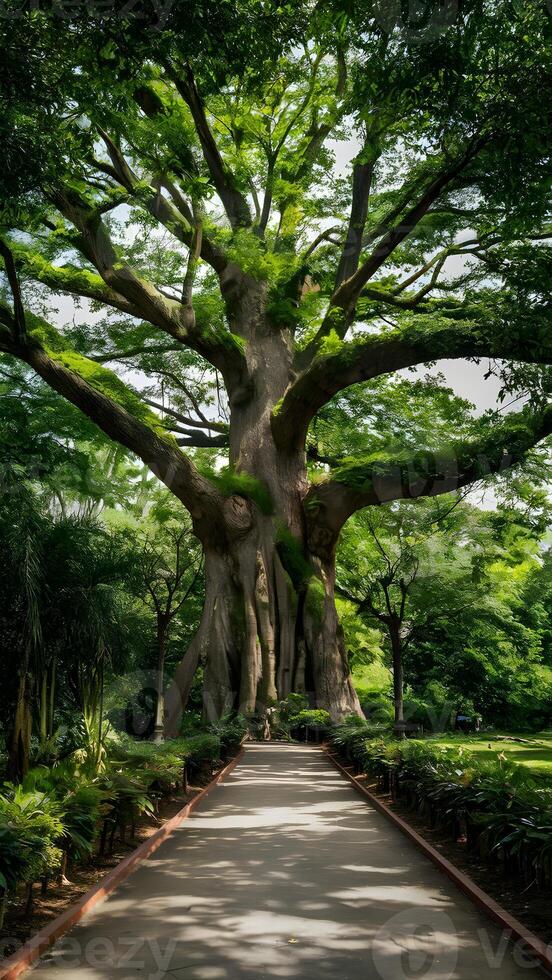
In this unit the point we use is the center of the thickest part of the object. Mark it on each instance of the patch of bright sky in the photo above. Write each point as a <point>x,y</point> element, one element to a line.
<point>466,378</point>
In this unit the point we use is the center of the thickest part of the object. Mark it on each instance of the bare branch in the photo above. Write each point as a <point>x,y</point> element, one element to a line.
<point>142,298</point>
<point>319,133</point>
<point>349,290</point>
<point>205,423</point>
<point>342,304</point>
<point>324,236</point>
<point>160,453</point>
<point>363,171</point>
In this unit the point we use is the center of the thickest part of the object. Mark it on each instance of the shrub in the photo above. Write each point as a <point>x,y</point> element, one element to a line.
<point>293,704</point>
<point>160,765</point>
<point>230,731</point>
<point>310,720</point>
<point>500,809</point>
<point>203,748</point>
<point>378,708</point>
<point>80,799</point>
<point>30,826</point>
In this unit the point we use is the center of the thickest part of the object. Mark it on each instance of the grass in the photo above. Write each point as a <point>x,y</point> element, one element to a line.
<point>535,751</point>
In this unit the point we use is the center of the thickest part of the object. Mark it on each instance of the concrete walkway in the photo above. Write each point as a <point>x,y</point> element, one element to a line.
<point>284,872</point>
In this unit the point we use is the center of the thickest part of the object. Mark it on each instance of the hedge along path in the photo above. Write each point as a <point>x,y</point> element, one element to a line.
<point>283,872</point>
<point>21,961</point>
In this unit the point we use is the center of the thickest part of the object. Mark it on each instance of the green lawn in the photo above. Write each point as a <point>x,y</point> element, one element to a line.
<point>535,751</point>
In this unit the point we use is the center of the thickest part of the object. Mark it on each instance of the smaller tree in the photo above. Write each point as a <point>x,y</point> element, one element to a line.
<point>446,583</point>
<point>171,565</point>
<point>406,565</point>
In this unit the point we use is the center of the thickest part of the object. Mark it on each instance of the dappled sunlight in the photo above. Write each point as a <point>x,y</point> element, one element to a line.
<point>282,872</point>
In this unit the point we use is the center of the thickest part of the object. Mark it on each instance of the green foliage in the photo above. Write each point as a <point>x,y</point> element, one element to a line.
<point>79,798</point>
<point>160,766</point>
<point>202,748</point>
<point>504,810</point>
<point>475,650</point>
<point>315,600</point>
<point>230,730</point>
<point>292,706</point>
<point>30,826</point>
<point>381,417</point>
<point>292,557</point>
<point>311,718</point>
<point>99,377</point>
<point>231,482</point>
<point>63,809</point>
<point>455,97</point>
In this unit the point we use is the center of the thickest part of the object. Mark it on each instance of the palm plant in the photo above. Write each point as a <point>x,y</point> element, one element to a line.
<point>23,531</point>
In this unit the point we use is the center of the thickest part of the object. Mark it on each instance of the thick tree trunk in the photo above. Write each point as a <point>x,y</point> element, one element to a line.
<point>266,639</point>
<point>269,625</point>
<point>266,631</point>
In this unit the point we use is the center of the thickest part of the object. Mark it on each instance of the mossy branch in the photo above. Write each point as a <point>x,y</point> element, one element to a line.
<point>386,476</point>
<point>70,279</point>
<point>218,346</point>
<point>115,409</point>
<point>343,363</point>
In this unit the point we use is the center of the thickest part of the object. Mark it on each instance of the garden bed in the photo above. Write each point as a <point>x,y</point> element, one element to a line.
<point>67,827</point>
<point>19,926</point>
<point>533,908</point>
<point>490,818</point>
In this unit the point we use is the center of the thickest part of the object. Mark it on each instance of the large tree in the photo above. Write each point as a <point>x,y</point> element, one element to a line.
<point>188,190</point>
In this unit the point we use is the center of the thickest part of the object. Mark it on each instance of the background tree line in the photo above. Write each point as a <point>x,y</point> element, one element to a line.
<point>445,604</point>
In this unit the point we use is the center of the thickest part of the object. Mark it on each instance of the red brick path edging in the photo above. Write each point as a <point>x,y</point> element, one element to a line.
<point>537,947</point>
<point>30,951</point>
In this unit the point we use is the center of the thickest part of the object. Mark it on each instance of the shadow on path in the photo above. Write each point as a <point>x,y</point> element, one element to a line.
<point>283,872</point>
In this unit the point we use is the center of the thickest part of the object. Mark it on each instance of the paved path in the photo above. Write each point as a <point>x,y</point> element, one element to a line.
<point>284,873</point>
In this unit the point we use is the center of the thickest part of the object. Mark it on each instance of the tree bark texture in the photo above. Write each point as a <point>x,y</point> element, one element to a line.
<point>269,625</point>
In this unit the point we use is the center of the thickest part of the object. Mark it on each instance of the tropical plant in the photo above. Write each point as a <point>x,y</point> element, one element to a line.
<point>500,809</point>
<point>183,180</point>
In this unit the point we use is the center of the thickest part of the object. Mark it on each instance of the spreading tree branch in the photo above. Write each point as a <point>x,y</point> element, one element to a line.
<point>204,422</point>
<point>383,477</point>
<point>372,356</point>
<point>349,291</point>
<point>120,286</point>
<point>118,412</point>
<point>363,172</point>
<point>342,304</point>
<point>235,204</point>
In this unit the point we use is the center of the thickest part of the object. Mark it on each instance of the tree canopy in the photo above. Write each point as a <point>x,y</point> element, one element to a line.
<point>173,181</point>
